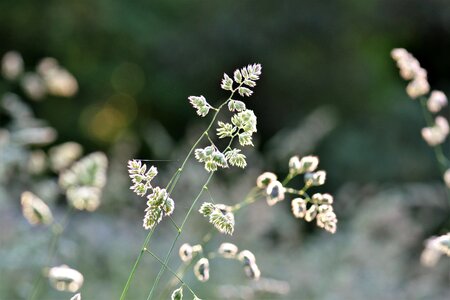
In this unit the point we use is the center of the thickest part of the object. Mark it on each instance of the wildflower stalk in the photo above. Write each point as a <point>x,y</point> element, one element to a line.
<point>136,263</point>
<point>442,160</point>
<point>438,151</point>
<point>57,231</point>
<point>170,187</point>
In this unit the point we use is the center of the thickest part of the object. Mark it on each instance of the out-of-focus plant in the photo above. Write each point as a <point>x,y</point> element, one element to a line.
<point>435,135</point>
<point>23,161</point>
<point>241,127</point>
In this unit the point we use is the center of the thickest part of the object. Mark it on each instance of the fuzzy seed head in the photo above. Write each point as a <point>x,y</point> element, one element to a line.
<point>437,133</point>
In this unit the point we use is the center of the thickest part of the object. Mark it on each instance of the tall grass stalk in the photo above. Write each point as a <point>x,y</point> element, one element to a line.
<point>170,187</point>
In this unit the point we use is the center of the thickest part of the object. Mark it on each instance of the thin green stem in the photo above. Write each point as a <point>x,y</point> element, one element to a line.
<point>171,271</point>
<point>175,179</point>
<point>170,187</point>
<point>184,267</point>
<point>174,224</point>
<point>209,139</point>
<point>166,260</point>
<point>210,196</point>
<point>57,231</point>
<point>249,199</point>
<point>301,192</point>
<point>136,264</point>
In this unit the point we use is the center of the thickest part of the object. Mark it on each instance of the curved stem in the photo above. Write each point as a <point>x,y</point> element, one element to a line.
<point>166,260</point>
<point>136,263</point>
<point>171,271</point>
<point>182,269</point>
<point>170,187</point>
<point>442,160</point>
<point>173,182</point>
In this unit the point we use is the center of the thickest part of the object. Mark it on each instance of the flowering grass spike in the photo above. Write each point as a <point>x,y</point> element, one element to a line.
<point>140,177</point>
<point>220,216</point>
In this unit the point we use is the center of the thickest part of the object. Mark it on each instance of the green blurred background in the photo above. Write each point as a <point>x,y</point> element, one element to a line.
<point>329,87</point>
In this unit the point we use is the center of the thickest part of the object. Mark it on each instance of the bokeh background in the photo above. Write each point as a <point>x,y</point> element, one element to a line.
<point>329,88</point>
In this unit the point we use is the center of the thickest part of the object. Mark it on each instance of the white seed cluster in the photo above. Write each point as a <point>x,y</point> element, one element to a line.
<point>62,156</point>
<point>410,69</point>
<point>159,204</point>
<point>212,158</point>
<point>435,247</point>
<point>50,78</point>
<point>83,182</point>
<point>437,133</point>
<point>306,164</point>
<point>35,210</point>
<point>318,207</point>
<point>200,104</point>
<point>220,216</point>
<point>241,126</point>
<point>141,177</point>
<point>64,278</point>
<point>436,101</point>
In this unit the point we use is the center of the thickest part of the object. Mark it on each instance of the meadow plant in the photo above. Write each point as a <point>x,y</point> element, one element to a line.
<point>81,182</point>
<point>238,132</point>
<point>435,134</point>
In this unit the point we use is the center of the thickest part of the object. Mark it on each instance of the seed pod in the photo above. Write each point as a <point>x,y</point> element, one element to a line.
<point>201,269</point>
<point>228,250</point>
<point>185,252</point>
